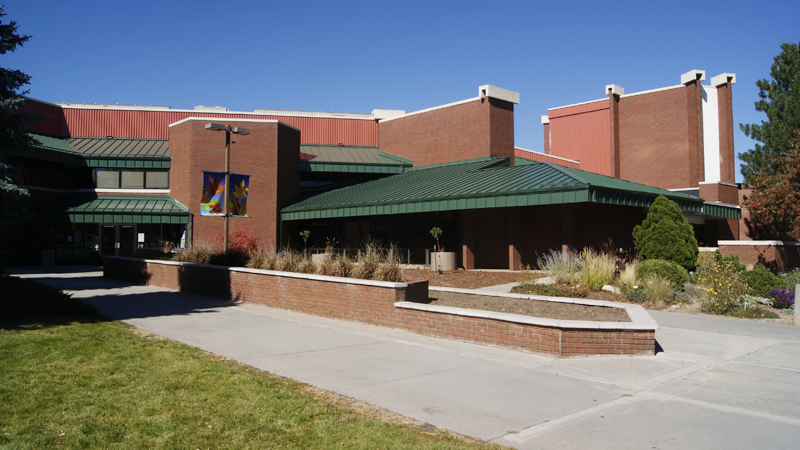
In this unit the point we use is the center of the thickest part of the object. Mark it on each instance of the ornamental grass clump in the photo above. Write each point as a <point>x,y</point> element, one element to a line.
<point>597,269</point>
<point>390,269</point>
<point>561,267</point>
<point>368,261</point>
<point>258,260</point>
<point>627,280</point>
<point>288,260</point>
<point>658,290</point>
<point>199,253</point>
<point>723,286</point>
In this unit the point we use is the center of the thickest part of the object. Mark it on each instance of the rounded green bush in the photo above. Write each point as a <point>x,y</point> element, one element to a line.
<point>677,275</point>
<point>761,281</point>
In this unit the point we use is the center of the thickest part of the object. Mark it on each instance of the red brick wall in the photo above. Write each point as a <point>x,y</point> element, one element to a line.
<point>474,129</point>
<point>777,257</point>
<point>654,146</point>
<point>269,155</point>
<point>720,193</point>
<point>375,305</point>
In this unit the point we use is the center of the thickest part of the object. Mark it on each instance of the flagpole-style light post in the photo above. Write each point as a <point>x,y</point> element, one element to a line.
<point>228,130</point>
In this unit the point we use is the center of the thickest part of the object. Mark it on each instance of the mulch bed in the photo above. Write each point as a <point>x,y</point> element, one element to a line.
<point>535,308</point>
<point>463,279</point>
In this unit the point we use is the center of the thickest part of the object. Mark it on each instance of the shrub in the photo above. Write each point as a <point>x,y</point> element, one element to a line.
<point>657,289</point>
<point>234,257</point>
<point>782,299</point>
<point>677,275</point>
<point>240,240</point>
<point>666,234</point>
<point>636,296</point>
<point>627,278</point>
<point>563,268</point>
<point>791,279</point>
<point>732,260</point>
<point>760,280</point>
<point>597,269</point>
<point>723,287</point>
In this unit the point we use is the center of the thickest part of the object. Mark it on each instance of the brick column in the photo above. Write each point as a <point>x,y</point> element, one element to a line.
<point>613,125</point>
<point>468,241</point>
<point>727,169</point>
<point>694,117</point>
<point>514,258</point>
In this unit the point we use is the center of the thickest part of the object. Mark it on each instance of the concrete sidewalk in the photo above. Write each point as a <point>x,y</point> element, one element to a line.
<point>718,383</point>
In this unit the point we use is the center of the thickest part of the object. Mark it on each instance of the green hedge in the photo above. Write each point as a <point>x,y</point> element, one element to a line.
<point>677,275</point>
<point>761,280</point>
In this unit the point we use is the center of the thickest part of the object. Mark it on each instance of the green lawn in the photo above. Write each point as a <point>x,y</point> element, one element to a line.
<point>78,381</point>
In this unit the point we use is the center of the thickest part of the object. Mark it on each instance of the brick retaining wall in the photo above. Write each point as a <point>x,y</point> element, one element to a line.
<point>395,305</point>
<point>779,256</point>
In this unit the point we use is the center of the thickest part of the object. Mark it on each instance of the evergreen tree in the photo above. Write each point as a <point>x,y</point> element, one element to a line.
<point>666,234</point>
<point>12,132</point>
<point>780,100</point>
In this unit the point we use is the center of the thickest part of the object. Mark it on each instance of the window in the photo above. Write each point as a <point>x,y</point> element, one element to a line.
<point>131,179</point>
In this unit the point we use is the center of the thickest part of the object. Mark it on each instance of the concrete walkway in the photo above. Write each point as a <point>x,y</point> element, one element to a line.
<point>717,383</point>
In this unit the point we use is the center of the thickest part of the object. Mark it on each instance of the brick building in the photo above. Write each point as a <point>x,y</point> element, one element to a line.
<point>678,138</point>
<point>114,179</point>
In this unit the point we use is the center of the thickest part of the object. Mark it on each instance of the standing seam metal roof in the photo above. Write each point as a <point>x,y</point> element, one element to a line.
<point>481,183</point>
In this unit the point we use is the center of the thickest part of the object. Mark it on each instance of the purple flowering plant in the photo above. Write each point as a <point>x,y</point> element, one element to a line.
<point>782,299</point>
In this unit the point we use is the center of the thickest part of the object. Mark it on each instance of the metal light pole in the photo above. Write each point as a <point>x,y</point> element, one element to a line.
<point>228,130</point>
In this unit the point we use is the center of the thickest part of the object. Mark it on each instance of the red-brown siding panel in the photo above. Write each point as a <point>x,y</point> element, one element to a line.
<point>51,118</point>
<point>140,124</point>
<point>582,133</point>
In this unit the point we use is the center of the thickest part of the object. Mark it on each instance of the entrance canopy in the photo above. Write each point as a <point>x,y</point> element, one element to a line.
<point>117,209</point>
<point>489,183</point>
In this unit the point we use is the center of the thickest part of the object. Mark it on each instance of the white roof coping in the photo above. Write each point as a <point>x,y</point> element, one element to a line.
<point>653,90</point>
<point>325,114</point>
<point>720,182</point>
<point>115,106</point>
<point>723,78</point>
<point>548,156</point>
<point>545,120</point>
<point>692,75</point>
<point>487,90</point>
<point>421,111</point>
<point>581,103</point>
<point>615,89</point>
<point>225,119</point>
<point>381,114</point>
<point>753,243</point>
<point>211,108</point>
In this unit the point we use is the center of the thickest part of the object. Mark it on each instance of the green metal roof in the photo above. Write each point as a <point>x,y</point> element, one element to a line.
<point>117,209</point>
<point>481,183</point>
<point>352,159</point>
<point>101,152</point>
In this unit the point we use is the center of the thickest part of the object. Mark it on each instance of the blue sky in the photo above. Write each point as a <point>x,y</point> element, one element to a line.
<point>356,56</point>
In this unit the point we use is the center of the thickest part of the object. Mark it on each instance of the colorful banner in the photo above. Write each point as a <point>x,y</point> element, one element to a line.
<point>213,191</point>
<point>237,198</point>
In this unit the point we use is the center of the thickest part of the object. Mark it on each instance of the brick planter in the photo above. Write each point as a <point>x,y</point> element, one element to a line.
<point>398,305</point>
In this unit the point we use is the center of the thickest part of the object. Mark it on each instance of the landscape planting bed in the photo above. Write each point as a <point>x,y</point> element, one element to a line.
<point>401,306</point>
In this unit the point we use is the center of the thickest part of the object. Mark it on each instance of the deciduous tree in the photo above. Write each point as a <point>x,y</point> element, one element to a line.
<point>775,201</point>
